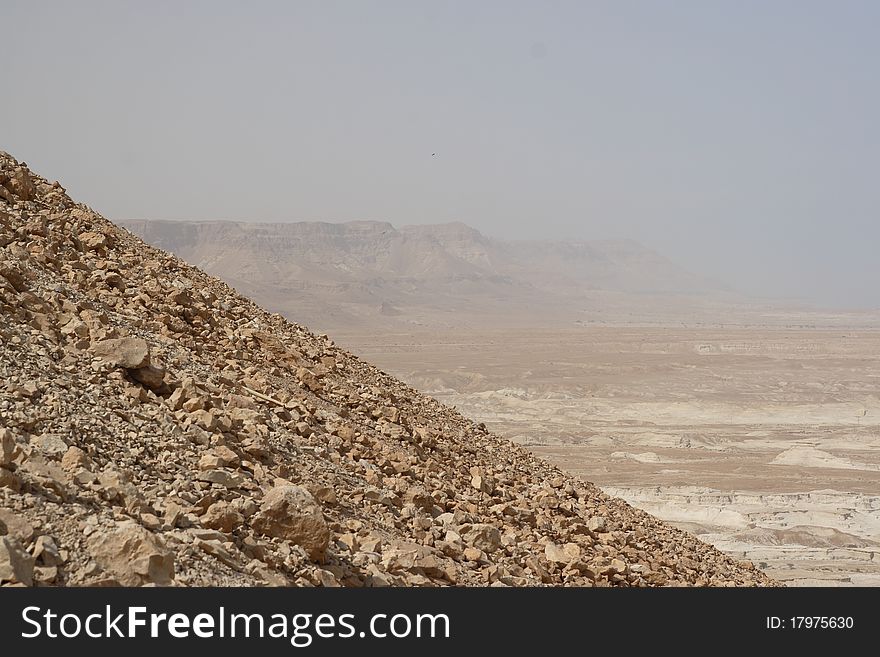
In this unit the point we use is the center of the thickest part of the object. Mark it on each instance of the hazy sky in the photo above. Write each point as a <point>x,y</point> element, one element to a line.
<point>738,138</point>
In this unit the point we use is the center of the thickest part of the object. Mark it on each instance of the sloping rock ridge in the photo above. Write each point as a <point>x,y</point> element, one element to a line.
<point>157,428</point>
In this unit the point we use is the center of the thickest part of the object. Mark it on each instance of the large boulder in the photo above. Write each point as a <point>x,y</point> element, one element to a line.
<point>132,555</point>
<point>130,353</point>
<point>291,513</point>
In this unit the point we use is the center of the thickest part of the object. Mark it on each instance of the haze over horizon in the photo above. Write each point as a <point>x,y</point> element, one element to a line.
<point>737,139</point>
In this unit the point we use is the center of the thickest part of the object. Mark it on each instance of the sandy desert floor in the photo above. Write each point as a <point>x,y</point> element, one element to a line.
<point>764,442</point>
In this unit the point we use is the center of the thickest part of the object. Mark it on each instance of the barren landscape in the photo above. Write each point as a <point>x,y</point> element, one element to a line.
<point>763,442</point>
<point>753,424</point>
<point>158,428</point>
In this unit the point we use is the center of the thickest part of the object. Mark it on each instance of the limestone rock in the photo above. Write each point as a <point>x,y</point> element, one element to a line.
<point>222,517</point>
<point>292,514</point>
<point>92,240</point>
<point>75,458</point>
<point>16,525</point>
<point>129,353</point>
<point>7,447</point>
<point>46,552</point>
<point>132,555</point>
<point>19,183</point>
<point>596,524</point>
<point>483,537</point>
<point>414,558</point>
<point>16,565</point>
<point>220,477</point>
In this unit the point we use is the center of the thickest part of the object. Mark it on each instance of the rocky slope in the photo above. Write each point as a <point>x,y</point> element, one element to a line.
<point>158,428</point>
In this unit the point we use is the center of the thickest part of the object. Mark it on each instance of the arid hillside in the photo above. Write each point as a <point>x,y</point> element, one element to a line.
<point>158,428</point>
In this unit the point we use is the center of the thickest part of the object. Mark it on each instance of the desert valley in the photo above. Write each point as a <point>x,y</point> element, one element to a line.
<point>158,428</point>
<point>763,442</point>
<point>754,425</point>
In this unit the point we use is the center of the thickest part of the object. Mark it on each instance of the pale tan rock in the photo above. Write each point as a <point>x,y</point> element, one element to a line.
<point>292,514</point>
<point>224,478</point>
<point>92,240</point>
<point>132,555</point>
<point>556,554</point>
<point>74,459</point>
<point>596,524</point>
<point>19,182</point>
<point>129,353</point>
<point>222,517</point>
<point>16,525</point>
<point>7,447</point>
<point>46,553</point>
<point>415,558</point>
<point>16,565</point>
<point>482,536</point>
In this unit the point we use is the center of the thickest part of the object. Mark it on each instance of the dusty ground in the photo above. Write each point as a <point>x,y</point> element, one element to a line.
<point>764,442</point>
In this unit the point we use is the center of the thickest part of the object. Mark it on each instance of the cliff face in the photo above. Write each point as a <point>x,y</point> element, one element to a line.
<point>156,427</point>
<point>340,276</point>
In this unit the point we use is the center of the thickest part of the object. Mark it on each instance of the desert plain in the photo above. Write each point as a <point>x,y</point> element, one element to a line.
<point>754,424</point>
<point>764,441</point>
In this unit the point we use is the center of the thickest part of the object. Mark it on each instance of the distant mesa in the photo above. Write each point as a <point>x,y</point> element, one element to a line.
<point>365,273</point>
